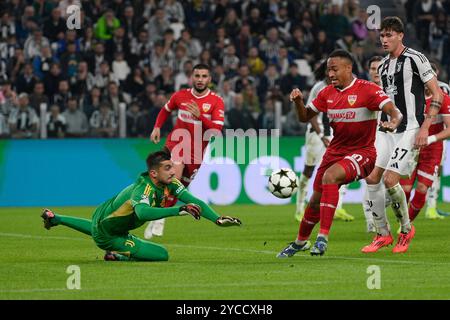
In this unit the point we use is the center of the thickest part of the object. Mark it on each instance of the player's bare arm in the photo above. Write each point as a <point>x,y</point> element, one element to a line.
<point>444,134</point>
<point>304,114</point>
<point>395,115</point>
<point>435,106</point>
<point>155,137</point>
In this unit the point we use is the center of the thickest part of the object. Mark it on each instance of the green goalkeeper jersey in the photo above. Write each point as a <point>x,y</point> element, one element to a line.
<point>124,211</point>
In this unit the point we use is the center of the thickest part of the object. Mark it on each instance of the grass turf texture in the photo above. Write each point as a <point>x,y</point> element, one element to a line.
<point>208,262</point>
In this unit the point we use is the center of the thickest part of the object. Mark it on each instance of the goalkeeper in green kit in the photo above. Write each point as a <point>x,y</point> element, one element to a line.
<point>136,204</point>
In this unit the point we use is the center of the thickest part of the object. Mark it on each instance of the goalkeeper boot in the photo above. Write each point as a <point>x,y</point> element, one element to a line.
<point>227,221</point>
<point>48,216</point>
<point>377,243</point>
<point>319,247</point>
<point>293,248</point>
<point>404,239</point>
<point>432,214</point>
<point>342,214</point>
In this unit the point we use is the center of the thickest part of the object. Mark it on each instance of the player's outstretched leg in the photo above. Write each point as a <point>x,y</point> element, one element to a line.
<point>51,220</point>
<point>131,248</point>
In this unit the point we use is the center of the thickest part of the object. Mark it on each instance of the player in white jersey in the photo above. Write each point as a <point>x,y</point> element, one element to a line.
<point>318,136</point>
<point>374,77</point>
<point>404,73</point>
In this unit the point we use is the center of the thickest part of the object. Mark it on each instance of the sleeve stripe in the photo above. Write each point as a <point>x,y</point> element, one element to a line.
<point>313,107</point>
<point>383,103</point>
<point>167,107</point>
<point>218,122</point>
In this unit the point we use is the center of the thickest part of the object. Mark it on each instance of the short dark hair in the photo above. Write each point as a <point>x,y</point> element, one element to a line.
<point>154,159</point>
<point>321,71</point>
<point>201,66</point>
<point>392,24</point>
<point>373,59</point>
<point>344,54</point>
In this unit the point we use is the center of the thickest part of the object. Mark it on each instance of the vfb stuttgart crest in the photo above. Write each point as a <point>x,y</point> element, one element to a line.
<point>206,107</point>
<point>352,99</point>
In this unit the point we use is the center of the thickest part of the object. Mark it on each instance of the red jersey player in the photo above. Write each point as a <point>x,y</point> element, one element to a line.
<point>200,114</point>
<point>352,106</point>
<point>429,157</point>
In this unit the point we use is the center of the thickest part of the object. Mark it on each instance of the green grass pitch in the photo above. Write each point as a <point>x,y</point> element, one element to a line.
<point>208,262</point>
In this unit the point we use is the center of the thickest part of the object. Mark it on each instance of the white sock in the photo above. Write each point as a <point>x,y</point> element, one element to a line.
<point>400,207</point>
<point>377,198</point>
<point>433,193</point>
<point>302,191</point>
<point>342,191</point>
<point>323,236</point>
<point>367,208</point>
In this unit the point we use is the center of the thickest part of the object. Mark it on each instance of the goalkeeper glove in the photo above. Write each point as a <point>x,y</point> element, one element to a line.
<point>227,221</point>
<point>192,209</point>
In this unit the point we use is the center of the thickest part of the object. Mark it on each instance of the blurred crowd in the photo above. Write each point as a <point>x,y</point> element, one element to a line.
<point>138,53</point>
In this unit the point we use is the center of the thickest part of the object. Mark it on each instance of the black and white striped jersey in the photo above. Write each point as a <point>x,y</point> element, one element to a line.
<point>403,81</point>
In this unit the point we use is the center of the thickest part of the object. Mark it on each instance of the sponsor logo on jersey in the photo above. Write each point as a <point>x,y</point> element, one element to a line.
<point>342,115</point>
<point>352,99</point>
<point>206,107</point>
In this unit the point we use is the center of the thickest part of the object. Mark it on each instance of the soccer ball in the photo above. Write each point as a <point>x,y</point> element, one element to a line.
<point>283,183</point>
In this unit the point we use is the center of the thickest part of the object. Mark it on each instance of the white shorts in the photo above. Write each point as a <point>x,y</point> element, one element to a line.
<point>315,149</point>
<point>395,151</point>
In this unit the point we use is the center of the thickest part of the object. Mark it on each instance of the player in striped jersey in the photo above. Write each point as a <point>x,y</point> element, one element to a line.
<point>404,73</point>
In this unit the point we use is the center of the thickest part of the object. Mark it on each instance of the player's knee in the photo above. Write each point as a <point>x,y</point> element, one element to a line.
<point>329,178</point>
<point>422,188</point>
<point>390,180</point>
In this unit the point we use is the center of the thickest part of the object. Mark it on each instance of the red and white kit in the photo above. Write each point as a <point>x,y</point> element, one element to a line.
<point>189,127</point>
<point>430,157</point>
<point>353,115</point>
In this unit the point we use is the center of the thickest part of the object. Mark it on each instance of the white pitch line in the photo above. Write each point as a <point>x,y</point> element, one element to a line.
<point>369,259</point>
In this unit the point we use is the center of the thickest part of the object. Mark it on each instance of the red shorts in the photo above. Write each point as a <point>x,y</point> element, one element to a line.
<point>428,164</point>
<point>189,171</point>
<point>357,165</point>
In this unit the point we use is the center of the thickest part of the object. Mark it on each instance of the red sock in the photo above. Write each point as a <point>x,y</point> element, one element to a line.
<point>417,203</point>
<point>328,204</point>
<point>309,220</point>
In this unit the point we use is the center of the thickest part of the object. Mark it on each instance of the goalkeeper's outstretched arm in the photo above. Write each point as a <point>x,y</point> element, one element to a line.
<point>208,212</point>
